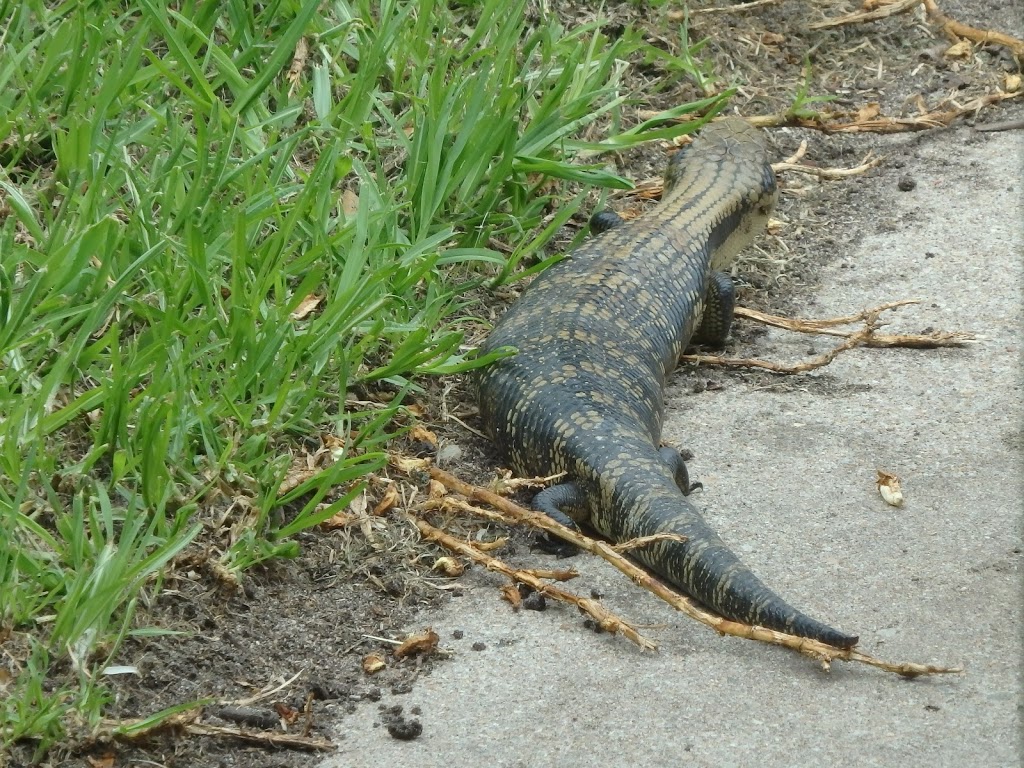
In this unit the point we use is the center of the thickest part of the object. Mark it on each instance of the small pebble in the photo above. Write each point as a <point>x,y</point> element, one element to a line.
<point>535,602</point>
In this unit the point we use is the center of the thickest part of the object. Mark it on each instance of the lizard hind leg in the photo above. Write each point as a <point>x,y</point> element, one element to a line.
<point>720,301</point>
<point>676,463</point>
<point>563,503</point>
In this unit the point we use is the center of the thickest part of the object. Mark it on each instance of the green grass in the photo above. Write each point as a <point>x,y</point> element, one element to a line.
<point>172,188</point>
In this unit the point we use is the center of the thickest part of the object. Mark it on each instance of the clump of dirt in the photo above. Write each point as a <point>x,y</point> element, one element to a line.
<point>289,642</point>
<point>398,725</point>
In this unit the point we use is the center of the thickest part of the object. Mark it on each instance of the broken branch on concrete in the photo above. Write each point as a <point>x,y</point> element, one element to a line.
<point>825,654</point>
<point>867,336</point>
<point>607,620</point>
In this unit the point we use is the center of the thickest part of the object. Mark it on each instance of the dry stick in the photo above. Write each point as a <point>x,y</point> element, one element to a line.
<point>565,574</point>
<point>860,16</point>
<point>956,29</point>
<point>605,618</point>
<point>823,653</point>
<point>829,121</point>
<point>738,7</point>
<point>510,484</point>
<point>307,727</point>
<point>865,337</point>
<point>266,738</point>
<point>973,106</point>
<point>828,173</point>
<point>186,721</point>
<point>540,520</point>
<point>1003,125</point>
<point>183,721</point>
<point>826,327</point>
<point>266,693</point>
<point>800,324</point>
<point>819,361</point>
<point>797,156</point>
<point>935,16</point>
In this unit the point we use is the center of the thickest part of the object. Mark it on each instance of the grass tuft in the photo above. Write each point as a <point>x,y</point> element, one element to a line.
<point>178,186</point>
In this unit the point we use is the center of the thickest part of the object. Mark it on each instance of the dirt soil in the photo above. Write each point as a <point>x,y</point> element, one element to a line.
<point>292,638</point>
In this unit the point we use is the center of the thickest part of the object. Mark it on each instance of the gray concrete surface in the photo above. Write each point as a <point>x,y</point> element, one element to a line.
<point>789,480</point>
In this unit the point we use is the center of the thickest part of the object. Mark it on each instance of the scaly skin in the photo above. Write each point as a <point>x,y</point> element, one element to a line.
<point>597,336</point>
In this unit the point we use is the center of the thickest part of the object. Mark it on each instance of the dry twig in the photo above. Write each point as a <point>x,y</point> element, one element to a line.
<point>825,654</point>
<point>507,484</point>
<point>826,327</point>
<point>818,361</point>
<point>604,618</point>
<point>735,8</point>
<point>134,729</point>
<point>558,574</point>
<point>865,337</point>
<point>542,521</point>
<point>264,738</point>
<point>266,693</point>
<point>803,325</point>
<point>1002,125</point>
<point>850,122</point>
<point>797,156</point>
<point>950,26</point>
<point>828,173</point>
<point>956,30</point>
<point>858,17</point>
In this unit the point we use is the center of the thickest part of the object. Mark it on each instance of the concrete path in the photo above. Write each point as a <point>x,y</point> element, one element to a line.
<point>789,481</point>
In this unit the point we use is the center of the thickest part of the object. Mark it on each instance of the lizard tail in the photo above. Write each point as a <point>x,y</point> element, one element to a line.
<point>702,566</point>
<point>708,571</point>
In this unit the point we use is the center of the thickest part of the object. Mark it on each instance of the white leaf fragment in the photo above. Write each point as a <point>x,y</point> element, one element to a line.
<point>889,488</point>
